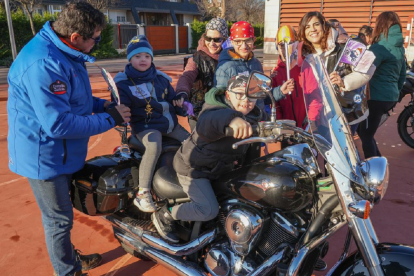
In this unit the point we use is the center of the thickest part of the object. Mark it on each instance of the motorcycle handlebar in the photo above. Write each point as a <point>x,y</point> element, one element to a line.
<point>229,132</point>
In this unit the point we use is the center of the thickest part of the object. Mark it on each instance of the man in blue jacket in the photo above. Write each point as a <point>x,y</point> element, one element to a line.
<point>51,115</point>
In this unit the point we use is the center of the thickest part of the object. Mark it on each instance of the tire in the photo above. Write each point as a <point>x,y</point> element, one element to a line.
<point>406,126</point>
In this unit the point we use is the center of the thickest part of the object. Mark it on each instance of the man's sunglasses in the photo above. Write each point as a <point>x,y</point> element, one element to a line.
<point>97,40</point>
<point>215,39</point>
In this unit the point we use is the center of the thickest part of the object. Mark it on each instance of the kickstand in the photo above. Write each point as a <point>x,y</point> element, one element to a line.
<point>194,234</point>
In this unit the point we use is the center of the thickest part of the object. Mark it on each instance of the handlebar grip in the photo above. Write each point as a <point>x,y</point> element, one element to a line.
<point>228,132</point>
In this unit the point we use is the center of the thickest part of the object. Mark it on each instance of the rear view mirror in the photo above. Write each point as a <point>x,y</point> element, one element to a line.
<point>257,85</point>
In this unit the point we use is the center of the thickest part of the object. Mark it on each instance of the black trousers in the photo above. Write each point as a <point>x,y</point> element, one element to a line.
<point>368,127</point>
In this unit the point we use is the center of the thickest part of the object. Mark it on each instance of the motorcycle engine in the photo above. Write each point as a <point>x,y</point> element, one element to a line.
<point>243,228</point>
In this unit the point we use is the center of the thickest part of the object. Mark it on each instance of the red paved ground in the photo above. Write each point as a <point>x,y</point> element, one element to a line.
<point>23,250</point>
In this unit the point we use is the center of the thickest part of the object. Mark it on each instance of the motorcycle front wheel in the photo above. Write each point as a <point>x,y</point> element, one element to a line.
<point>406,126</point>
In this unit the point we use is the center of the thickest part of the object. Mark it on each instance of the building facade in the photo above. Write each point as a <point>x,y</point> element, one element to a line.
<point>147,12</point>
<point>352,14</point>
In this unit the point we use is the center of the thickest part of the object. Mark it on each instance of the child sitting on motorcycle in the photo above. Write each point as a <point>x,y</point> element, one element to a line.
<point>154,105</point>
<point>208,153</point>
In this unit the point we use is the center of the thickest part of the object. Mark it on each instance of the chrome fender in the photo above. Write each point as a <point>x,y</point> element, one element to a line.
<point>396,260</point>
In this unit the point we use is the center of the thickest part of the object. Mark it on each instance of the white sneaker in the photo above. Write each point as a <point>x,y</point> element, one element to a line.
<point>145,203</point>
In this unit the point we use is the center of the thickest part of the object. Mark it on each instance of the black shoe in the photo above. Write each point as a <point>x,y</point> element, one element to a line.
<point>320,265</point>
<point>164,223</point>
<point>89,261</point>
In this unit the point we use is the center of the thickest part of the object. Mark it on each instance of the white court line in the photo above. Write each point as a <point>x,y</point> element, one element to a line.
<point>96,142</point>
<point>114,270</point>
<point>20,178</point>
<point>11,181</point>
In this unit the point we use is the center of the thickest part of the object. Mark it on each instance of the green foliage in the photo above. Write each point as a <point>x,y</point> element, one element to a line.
<point>105,49</point>
<point>23,34</point>
<point>198,28</point>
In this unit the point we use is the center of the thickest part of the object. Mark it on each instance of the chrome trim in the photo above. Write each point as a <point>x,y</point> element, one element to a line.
<point>371,230</point>
<point>285,224</point>
<point>301,254</point>
<point>270,264</point>
<point>270,139</point>
<point>177,265</point>
<point>136,232</point>
<point>243,227</point>
<point>376,175</point>
<point>216,262</point>
<point>358,208</point>
<point>180,249</point>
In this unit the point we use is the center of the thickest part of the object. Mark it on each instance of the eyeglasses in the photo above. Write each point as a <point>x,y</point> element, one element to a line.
<point>96,40</point>
<point>248,41</point>
<point>215,39</point>
<point>241,96</point>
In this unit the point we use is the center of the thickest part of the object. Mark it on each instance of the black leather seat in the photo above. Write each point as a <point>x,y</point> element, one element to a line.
<point>166,185</point>
<point>168,144</point>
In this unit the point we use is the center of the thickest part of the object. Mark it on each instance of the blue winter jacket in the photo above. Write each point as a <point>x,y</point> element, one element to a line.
<point>50,108</point>
<point>230,64</point>
<point>163,117</point>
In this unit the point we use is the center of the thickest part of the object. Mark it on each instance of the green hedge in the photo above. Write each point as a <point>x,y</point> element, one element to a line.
<point>23,34</point>
<point>198,28</point>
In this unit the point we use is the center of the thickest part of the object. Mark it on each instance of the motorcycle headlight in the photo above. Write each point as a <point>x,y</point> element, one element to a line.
<point>376,175</point>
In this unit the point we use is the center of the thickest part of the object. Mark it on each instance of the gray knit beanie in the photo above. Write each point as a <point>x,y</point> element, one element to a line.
<point>218,24</point>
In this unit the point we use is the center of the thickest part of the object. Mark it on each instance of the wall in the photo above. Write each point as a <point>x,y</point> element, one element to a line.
<point>271,25</point>
<point>113,14</point>
<point>188,18</point>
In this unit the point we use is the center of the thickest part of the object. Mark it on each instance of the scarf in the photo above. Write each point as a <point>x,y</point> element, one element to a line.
<point>141,77</point>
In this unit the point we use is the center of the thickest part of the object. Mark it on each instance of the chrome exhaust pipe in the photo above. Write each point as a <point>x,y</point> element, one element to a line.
<point>138,233</point>
<point>180,249</point>
<point>177,265</point>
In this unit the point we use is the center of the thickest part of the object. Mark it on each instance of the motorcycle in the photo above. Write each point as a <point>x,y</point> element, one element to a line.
<point>406,118</point>
<point>276,212</point>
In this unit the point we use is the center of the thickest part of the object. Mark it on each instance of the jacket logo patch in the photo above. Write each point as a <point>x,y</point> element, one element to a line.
<point>58,87</point>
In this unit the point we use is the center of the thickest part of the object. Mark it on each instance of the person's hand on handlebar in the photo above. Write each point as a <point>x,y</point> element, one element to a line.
<point>241,128</point>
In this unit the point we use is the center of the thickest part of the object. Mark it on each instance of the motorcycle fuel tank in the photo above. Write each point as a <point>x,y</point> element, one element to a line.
<point>273,183</point>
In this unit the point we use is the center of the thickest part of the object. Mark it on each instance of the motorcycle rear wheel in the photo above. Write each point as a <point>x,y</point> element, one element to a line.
<point>406,126</point>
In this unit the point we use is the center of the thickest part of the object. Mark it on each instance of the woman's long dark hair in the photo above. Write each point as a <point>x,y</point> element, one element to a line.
<point>326,27</point>
<point>384,22</point>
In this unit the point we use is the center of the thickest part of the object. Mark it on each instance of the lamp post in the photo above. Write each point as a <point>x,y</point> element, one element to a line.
<point>11,33</point>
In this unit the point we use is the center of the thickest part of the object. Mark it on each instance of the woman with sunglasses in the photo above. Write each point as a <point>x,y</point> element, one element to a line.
<point>320,38</point>
<point>198,75</point>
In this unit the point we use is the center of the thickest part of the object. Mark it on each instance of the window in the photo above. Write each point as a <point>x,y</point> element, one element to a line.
<point>120,19</point>
<point>158,19</point>
<point>55,9</point>
<point>40,12</point>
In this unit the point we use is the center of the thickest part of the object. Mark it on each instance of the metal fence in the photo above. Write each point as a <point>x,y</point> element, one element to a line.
<point>123,33</point>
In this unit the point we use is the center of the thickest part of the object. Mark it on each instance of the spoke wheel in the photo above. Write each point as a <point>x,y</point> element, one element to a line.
<point>406,126</point>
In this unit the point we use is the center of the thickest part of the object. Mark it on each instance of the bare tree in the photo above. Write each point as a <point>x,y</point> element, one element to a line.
<point>251,11</point>
<point>223,9</point>
<point>103,4</point>
<point>209,8</point>
<point>28,6</point>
